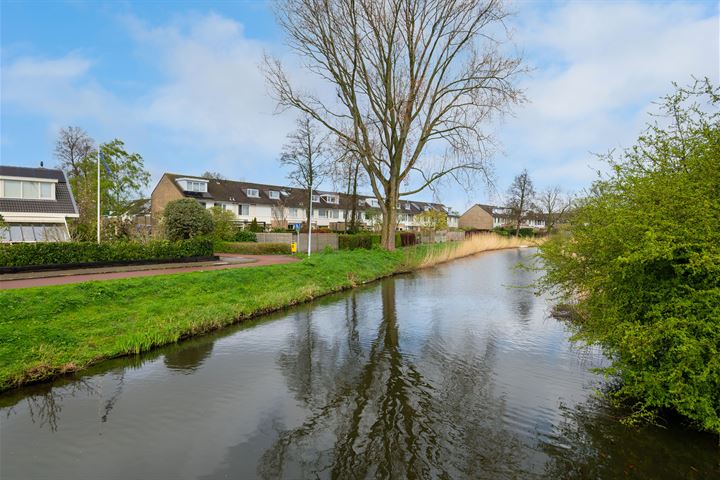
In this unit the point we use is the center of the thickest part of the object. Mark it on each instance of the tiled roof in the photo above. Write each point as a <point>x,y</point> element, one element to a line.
<point>63,203</point>
<point>492,210</point>
<point>236,192</point>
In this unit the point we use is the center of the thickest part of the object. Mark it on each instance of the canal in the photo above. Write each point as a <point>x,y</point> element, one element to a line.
<point>451,372</point>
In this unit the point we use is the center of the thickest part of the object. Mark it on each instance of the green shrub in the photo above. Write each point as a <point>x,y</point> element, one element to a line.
<point>641,263</point>
<point>254,226</point>
<point>223,227</point>
<point>526,232</point>
<point>53,253</point>
<point>186,218</point>
<point>354,241</point>
<point>252,248</point>
<point>245,236</point>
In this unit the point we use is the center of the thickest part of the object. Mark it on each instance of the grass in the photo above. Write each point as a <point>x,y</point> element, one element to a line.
<point>48,331</point>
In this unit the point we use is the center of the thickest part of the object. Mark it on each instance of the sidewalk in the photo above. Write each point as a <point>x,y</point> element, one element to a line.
<point>61,277</point>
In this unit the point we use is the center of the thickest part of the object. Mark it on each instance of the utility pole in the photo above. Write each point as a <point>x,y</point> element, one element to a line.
<point>98,194</point>
<point>310,222</point>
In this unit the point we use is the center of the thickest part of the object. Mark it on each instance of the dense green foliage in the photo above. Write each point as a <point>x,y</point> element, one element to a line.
<point>253,248</point>
<point>245,236</point>
<point>254,226</point>
<point>186,218</point>
<point>356,240</point>
<point>506,232</point>
<point>641,263</point>
<point>223,226</point>
<point>21,254</point>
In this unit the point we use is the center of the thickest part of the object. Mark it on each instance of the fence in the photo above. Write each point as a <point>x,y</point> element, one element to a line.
<point>275,238</point>
<point>319,241</point>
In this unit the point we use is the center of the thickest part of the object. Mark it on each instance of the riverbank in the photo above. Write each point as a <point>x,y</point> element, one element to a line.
<point>50,331</point>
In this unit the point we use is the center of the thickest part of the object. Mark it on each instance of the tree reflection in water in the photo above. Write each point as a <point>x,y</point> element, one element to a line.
<point>375,414</point>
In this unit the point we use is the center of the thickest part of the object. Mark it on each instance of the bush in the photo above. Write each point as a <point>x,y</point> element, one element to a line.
<point>354,241</point>
<point>251,248</point>
<point>406,239</point>
<point>245,236</point>
<point>641,263</point>
<point>223,225</point>
<point>254,226</point>
<point>186,218</point>
<point>54,253</point>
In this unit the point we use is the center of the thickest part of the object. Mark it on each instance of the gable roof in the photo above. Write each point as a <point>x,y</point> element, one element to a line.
<point>64,202</point>
<point>232,191</point>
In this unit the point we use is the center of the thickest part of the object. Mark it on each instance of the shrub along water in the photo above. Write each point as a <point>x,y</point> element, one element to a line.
<point>46,331</point>
<point>253,248</point>
<point>641,264</point>
<point>24,254</point>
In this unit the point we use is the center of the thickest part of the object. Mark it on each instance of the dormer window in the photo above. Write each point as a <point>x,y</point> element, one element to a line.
<point>334,199</point>
<point>316,198</point>
<point>26,189</point>
<point>407,206</point>
<point>373,202</point>
<point>252,192</point>
<point>275,195</point>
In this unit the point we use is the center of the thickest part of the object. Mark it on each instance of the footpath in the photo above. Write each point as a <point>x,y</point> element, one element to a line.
<point>77,275</point>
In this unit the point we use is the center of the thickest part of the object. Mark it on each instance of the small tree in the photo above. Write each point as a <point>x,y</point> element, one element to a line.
<point>213,175</point>
<point>223,225</point>
<point>521,195</point>
<point>254,227</point>
<point>186,218</point>
<point>3,228</point>
<point>554,205</point>
<point>435,220</point>
<point>305,154</point>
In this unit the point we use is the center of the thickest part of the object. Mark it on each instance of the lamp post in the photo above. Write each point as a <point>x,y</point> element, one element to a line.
<point>98,194</point>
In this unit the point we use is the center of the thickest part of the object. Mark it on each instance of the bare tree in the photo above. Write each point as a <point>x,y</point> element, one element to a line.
<point>213,175</point>
<point>72,146</point>
<point>347,174</point>
<point>554,204</point>
<point>521,195</point>
<point>306,154</point>
<point>415,83</point>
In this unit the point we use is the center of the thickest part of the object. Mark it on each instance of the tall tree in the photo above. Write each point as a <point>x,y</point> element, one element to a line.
<point>213,175</point>
<point>521,195</point>
<point>122,179</point>
<point>554,204</point>
<point>71,148</point>
<point>347,174</point>
<point>306,155</point>
<point>415,84</point>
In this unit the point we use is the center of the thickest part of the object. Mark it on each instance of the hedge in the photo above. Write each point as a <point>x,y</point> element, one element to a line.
<point>370,240</point>
<point>252,248</point>
<point>59,253</point>
<point>245,236</point>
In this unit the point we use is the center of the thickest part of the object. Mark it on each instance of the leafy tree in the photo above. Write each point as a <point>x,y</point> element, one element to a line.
<point>254,227</point>
<point>223,224</point>
<point>414,85</point>
<point>641,266</point>
<point>122,177</point>
<point>521,195</point>
<point>186,218</point>
<point>3,227</point>
<point>434,220</point>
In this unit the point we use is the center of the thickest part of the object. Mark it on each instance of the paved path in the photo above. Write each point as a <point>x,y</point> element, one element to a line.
<point>61,277</point>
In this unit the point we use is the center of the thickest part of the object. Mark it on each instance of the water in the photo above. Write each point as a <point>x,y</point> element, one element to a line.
<point>451,372</point>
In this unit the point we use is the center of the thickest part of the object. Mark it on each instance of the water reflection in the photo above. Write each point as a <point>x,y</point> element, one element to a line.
<point>376,415</point>
<point>448,373</point>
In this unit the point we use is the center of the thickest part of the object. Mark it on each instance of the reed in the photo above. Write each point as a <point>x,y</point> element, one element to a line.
<point>445,252</point>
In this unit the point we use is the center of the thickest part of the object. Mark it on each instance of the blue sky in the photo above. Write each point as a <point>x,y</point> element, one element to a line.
<point>178,82</point>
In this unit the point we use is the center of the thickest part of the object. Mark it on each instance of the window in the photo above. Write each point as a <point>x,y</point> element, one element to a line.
<point>334,213</point>
<point>274,195</point>
<point>27,189</point>
<point>316,198</point>
<point>35,232</point>
<point>322,213</point>
<point>13,189</point>
<point>373,202</point>
<point>244,209</point>
<point>293,212</point>
<point>332,199</point>
<point>195,186</point>
<point>407,206</point>
<point>252,192</point>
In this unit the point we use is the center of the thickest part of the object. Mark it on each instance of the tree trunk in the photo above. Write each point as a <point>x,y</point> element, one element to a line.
<point>387,238</point>
<point>354,200</point>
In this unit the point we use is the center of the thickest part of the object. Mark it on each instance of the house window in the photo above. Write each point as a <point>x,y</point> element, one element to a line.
<point>274,195</point>
<point>334,213</point>
<point>253,192</point>
<point>193,186</point>
<point>244,210</point>
<point>407,206</point>
<point>322,213</point>
<point>373,202</point>
<point>334,199</point>
<point>293,212</point>
<point>316,198</point>
<point>27,190</point>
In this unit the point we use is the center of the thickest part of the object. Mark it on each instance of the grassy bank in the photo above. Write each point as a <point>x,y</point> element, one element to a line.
<point>48,331</point>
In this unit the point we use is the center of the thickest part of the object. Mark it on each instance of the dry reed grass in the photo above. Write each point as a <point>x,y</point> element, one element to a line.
<point>477,243</point>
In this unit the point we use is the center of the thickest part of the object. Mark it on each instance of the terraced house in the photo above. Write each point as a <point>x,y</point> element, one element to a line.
<point>282,206</point>
<point>487,217</point>
<point>35,204</point>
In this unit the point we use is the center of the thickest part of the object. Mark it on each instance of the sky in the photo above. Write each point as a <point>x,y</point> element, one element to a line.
<point>179,83</point>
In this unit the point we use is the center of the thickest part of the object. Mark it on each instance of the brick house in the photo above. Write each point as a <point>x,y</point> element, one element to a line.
<point>281,206</point>
<point>487,217</point>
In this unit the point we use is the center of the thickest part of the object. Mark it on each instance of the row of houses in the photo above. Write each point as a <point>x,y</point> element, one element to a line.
<point>36,204</point>
<point>286,207</point>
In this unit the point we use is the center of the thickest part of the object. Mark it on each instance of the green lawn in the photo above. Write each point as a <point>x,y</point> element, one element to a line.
<point>50,330</point>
